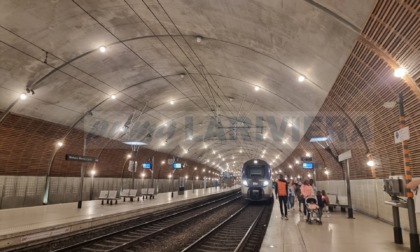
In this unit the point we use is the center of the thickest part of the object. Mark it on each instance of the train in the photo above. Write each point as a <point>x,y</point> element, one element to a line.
<point>256,181</point>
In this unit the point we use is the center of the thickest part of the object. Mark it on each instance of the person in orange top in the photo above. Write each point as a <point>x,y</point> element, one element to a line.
<point>282,189</point>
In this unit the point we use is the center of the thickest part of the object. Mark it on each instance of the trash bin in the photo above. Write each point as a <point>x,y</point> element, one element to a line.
<point>181,190</point>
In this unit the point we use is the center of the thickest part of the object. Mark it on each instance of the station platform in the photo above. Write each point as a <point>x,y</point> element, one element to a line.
<point>337,233</point>
<point>22,226</point>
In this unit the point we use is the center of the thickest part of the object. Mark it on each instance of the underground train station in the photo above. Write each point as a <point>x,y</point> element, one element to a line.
<point>162,125</point>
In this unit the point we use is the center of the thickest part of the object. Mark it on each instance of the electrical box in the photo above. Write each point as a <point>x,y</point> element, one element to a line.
<point>394,186</point>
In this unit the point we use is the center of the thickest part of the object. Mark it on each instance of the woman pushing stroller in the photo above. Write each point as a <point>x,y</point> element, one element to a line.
<point>306,191</point>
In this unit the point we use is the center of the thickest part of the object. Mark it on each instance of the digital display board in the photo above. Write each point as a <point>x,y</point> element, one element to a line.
<point>177,165</point>
<point>147,166</point>
<point>308,165</point>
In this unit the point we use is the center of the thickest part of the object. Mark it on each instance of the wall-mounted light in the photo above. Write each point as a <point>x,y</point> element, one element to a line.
<point>370,163</point>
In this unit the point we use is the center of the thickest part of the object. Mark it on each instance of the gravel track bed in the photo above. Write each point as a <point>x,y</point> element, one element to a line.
<point>176,240</point>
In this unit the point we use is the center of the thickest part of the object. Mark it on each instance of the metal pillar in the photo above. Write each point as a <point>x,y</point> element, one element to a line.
<point>398,238</point>
<point>414,237</point>
<point>350,208</point>
<point>82,175</point>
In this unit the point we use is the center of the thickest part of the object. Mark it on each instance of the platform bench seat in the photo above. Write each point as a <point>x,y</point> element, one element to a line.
<point>148,192</point>
<point>103,195</point>
<point>130,193</point>
<point>109,196</point>
<point>332,206</point>
<point>341,201</point>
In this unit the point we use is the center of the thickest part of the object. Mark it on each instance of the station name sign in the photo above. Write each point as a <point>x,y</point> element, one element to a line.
<point>72,157</point>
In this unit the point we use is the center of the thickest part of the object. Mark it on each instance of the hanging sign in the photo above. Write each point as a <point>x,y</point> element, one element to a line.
<point>344,156</point>
<point>401,135</point>
<point>72,157</point>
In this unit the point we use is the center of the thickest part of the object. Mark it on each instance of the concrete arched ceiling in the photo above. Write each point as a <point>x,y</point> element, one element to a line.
<point>153,59</point>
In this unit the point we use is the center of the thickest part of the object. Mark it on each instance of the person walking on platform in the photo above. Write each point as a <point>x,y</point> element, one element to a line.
<point>282,189</point>
<point>306,191</point>
<point>291,195</point>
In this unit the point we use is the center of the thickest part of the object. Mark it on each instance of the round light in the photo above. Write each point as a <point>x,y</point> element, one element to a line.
<point>327,172</point>
<point>255,161</point>
<point>186,176</point>
<point>301,78</point>
<point>289,124</point>
<point>308,154</point>
<point>399,72</point>
<point>163,162</point>
<point>257,88</point>
<point>60,143</point>
<point>129,156</point>
<point>113,97</point>
<point>170,176</point>
<point>102,49</point>
<point>290,166</point>
<point>195,168</point>
<point>142,175</point>
<point>23,96</point>
<point>309,175</point>
<point>172,102</point>
<point>370,163</point>
<point>297,162</point>
<point>93,172</point>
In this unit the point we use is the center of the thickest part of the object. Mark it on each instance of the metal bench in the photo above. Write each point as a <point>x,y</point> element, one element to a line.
<point>130,193</point>
<point>341,201</point>
<point>148,192</point>
<point>103,195</point>
<point>109,196</point>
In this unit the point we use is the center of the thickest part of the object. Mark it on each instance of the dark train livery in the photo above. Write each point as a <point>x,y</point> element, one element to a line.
<point>256,181</point>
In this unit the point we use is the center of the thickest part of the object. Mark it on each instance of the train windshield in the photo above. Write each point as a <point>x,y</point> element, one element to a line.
<point>255,170</point>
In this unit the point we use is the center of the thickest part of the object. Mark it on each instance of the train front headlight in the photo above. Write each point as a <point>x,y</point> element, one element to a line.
<point>266,182</point>
<point>245,183</point>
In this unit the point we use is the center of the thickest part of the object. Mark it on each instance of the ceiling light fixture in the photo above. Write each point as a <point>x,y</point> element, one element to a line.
<point>102,49</point>
<point>172,102</point>
<point>113,97</point>
<point>301,78</point>
<point>23,96</point>
<point>199,39</point>
<point>400,72</point>
<point>257,88</point>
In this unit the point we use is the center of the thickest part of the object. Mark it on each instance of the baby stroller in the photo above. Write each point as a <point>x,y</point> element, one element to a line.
<point>313,211</point>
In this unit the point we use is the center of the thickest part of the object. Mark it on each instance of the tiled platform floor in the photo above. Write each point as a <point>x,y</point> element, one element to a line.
<point>336,234</point>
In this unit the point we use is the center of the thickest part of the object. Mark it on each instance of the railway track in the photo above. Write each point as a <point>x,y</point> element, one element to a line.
<point>228,223</point>
<point>243,231</point>
<point>142,233</point>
